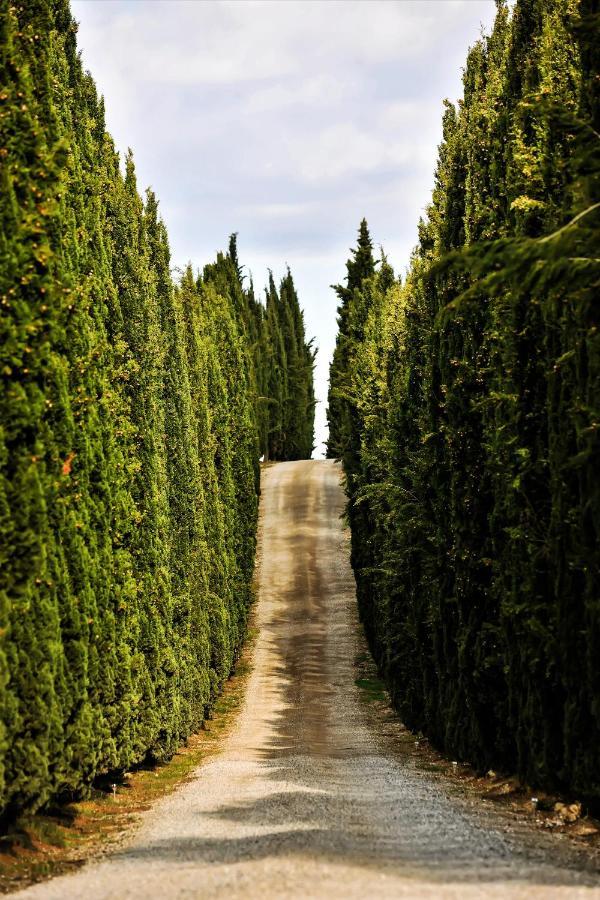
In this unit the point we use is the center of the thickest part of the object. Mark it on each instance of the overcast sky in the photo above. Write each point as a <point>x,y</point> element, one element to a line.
<point>285,121</point>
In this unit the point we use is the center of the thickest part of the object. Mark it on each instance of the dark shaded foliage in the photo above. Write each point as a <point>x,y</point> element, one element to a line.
<point>470,434</point>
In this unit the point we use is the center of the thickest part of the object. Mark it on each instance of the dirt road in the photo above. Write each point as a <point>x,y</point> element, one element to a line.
<point>307,800</point>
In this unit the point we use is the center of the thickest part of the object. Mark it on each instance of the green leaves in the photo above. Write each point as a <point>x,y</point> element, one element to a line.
<point>470,440</point>
<point>131,417</point>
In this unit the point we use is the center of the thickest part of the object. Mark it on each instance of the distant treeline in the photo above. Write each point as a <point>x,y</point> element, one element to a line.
<point>132,416</point>
<point>465,404</point>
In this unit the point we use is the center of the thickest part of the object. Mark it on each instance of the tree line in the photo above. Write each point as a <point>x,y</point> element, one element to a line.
<point>465,404</point>
<point>133,412</point>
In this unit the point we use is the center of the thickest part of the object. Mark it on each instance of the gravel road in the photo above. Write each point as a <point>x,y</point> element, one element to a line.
<point>307,799</point>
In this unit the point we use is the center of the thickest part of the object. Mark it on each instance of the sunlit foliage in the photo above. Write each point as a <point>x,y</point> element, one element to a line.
<point>132,419</point>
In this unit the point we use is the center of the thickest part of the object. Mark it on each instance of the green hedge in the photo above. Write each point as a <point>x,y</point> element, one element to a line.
<point>465,405</point>
<point>131,424</point>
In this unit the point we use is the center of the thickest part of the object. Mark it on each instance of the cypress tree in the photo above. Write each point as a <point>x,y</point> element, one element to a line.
<point>277,367</point>
<point>298,413</point>
<point>359,267</point>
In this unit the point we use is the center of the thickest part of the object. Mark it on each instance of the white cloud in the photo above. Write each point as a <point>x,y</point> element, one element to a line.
<point>275,210</point>
<point>185,42</point>
<point>314,91</point>
<point>340,150</point>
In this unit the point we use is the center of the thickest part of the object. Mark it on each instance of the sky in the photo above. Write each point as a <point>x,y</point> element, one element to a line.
<point>286,121</point>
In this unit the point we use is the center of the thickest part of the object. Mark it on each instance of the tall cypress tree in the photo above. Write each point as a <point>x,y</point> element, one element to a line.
<point>360,266</point>
<point>298,413</point>
<point>277,367</point>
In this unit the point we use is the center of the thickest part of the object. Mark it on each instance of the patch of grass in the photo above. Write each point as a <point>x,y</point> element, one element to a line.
<point>372,689</point>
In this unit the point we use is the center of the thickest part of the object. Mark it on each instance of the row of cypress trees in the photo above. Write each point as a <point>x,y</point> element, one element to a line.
<point>283,360</point>
<point>288,366</point>
<point>132,416</point>
<point>464,403</point>
<point>283,364</point>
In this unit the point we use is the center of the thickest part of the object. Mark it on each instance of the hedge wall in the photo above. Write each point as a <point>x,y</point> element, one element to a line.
<point>131,423</point>
<point>465,405</point>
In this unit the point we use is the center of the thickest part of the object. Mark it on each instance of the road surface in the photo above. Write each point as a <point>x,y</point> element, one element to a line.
<point>307,799</point>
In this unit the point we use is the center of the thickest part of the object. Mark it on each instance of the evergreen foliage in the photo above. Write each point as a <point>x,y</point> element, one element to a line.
<point>464,404</point>
<point>360,267</point>
<point>289,362</point>
<point>132,416</point>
